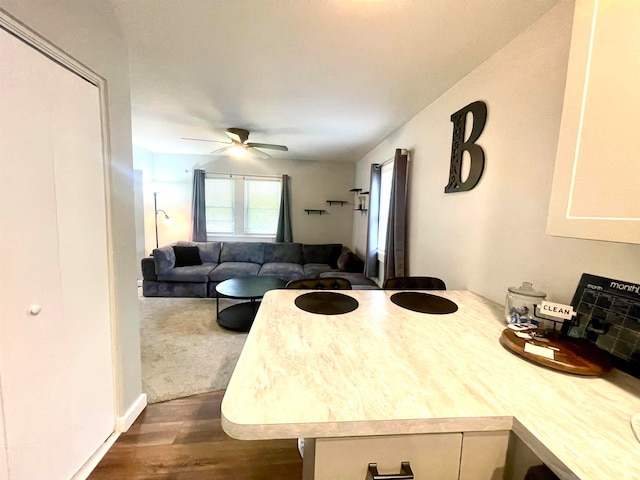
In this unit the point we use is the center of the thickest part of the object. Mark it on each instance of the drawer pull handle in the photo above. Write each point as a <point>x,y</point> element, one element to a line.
<point>405,473</point>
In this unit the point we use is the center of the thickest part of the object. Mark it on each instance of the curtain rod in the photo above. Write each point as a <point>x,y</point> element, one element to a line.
<point>389,160</point>
<point>386,162</point>
<point>223,174</point>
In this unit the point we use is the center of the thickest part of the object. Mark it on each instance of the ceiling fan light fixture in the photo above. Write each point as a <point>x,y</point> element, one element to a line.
<point>239,146</point>
<point>238,151</point>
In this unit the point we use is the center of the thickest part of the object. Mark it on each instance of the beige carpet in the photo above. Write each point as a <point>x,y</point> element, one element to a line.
<point>184,350</point>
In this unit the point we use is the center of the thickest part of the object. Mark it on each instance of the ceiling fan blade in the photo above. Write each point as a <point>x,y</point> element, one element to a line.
<point>204,140</point>
<point>257,153</point>
<point>267,145</point>
<point>220,151</point>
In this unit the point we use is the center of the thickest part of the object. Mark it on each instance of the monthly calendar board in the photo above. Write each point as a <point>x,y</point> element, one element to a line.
<point>608,314</point>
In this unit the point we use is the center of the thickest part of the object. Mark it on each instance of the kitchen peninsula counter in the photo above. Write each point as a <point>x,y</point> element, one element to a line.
<point>385,370</point>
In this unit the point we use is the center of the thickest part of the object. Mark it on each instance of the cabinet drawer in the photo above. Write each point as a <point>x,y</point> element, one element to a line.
<point>432,456</point>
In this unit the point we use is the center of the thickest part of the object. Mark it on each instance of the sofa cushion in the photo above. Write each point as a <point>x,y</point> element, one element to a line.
<point>283,253</point>
<point>313,270</point>
<point>152,288</point>
<point>209,251</point>
<point>186,256</point>
<point>326,253</point>
<point>228,270</point>
<point>192,273</point>
<point>164,258</point>
<point>252,252</point>
<point>284,271</point>
<point>358,280</point>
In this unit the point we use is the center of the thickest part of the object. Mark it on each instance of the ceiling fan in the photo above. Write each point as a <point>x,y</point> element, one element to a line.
<point>239,146</point>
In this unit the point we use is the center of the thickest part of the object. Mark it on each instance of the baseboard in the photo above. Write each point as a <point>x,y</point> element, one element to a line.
<point>123,423</point>
<point>93,461</point>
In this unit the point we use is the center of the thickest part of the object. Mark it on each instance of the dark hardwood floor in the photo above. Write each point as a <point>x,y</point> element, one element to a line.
<point>182,440</point>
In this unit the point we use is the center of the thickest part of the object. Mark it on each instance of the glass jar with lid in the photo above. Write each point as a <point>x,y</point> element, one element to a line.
<point>520,303</point>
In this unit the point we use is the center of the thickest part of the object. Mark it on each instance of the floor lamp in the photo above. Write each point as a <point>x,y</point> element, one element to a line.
<point>167,218</point>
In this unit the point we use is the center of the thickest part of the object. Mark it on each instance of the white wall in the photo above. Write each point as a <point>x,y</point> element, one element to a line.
<point>493,236</point>
<point>312,184</point>
<point>88,31</point>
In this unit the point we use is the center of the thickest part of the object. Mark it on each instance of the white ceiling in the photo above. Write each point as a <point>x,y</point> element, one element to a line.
<point>328,78</point>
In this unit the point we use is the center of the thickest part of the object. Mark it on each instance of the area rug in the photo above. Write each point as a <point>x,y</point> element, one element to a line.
<point>184,351</point>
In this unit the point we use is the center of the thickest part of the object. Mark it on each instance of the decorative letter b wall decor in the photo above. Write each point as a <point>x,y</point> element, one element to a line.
<point>459,145</point>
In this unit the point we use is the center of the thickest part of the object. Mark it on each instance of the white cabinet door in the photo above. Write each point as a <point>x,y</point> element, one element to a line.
<point>484,455</point>
<point>596,183</point>
<point>56,375</point>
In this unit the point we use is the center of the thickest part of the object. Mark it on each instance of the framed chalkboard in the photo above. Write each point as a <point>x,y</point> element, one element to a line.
<point>608,315</point>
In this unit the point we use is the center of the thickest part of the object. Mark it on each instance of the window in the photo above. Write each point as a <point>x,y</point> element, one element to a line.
<point>218,194</point>
<point>262,206</point>
<point>242,206</point>
<point>386,176</point>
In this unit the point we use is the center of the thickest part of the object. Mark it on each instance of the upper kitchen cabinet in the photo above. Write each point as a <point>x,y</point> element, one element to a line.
<point>596,183</point>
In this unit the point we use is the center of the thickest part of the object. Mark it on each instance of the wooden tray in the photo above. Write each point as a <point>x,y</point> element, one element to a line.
<point>573,355</point>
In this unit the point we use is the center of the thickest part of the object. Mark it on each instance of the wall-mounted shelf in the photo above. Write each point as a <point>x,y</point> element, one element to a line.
<point>360,202</point>
<point>315,211</point>
<point>338,202</point>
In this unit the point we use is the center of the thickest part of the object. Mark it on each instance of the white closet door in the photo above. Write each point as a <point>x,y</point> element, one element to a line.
<point>82,239</point>
<point>56,375</point>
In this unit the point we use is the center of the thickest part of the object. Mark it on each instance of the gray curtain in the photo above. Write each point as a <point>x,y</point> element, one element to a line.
<point>394,263</point>
<point>371,260</point>
<point>198,208</point>
<point>284,232</point>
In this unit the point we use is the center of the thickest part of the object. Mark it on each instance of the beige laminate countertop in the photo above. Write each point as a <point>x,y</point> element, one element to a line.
<point>383,370</point>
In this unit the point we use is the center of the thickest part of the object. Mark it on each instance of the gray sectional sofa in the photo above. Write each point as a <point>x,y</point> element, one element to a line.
<point>193,269</point>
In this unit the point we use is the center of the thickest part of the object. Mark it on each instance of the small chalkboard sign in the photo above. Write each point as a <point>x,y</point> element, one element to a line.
<point>608,315</point>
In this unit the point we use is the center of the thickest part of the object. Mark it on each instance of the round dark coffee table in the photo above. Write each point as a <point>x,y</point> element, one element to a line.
<point>240,317</point>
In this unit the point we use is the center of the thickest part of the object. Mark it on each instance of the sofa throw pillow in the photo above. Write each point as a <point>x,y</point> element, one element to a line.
<point>322,253</point>
<point>209,251</point>
<point>187,256</point>
<point>344,258</point>
<point>350,262</point>
<point>355,265</point>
